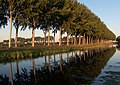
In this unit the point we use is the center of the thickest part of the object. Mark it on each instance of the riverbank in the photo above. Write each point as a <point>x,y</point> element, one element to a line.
<point>12,54</point>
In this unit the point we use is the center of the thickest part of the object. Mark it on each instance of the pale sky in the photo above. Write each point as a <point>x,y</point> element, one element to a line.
<point>107,10</point>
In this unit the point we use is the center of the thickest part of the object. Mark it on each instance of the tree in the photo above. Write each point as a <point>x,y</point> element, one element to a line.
<point>118,39</point>
<point>32,15</point>
<point>18,18</point>
<point>12,7</point>
<point>64,15</point>
<point>63,12</point>
<point>3,17</point>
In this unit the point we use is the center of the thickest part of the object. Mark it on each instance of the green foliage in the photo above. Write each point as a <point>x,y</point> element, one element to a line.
<point>3,18</point>
<point>118,40</point>
<point>73,17</point>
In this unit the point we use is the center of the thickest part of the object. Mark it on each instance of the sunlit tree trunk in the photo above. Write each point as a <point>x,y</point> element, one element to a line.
<point>67,39</point>
<point>72,39</point>
<point>48,36</point>
<point>33,33</point>
<point>91,40</point>
<point>45,38</point>
<point>10,35</point>
<point>87,39</point>
<point>79,40</point>
<point>54,39</point>
<point>16,38</point>
<point>60,36</point>
<point>84,39</point>
<point>75,39</point>
<point>98,41</point>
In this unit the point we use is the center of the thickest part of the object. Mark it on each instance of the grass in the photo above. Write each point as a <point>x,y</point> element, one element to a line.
<point>12,54</point>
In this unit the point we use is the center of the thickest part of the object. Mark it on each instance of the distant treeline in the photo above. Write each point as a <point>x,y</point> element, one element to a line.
<point>118,40</point>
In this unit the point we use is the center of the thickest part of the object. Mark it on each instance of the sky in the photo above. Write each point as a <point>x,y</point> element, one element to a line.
<point>107,10</point>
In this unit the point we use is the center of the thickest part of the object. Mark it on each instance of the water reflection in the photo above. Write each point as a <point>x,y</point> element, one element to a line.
<point>74,68</point>
<point>110,74</point>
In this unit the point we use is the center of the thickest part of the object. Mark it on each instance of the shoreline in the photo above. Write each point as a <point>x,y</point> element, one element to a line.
<point>79,47</point>
<point>12,54</point>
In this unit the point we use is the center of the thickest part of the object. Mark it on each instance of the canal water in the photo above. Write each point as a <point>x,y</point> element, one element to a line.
<point>99,66</point>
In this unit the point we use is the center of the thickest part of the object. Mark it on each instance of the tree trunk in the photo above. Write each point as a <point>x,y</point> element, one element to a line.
<point>67,39</point>
<point>54,39</point>
<point>48,36</point>
<point>98,41</point>
<point>33,37</point>
<point>75,39</point>
<point>33,33</point>
<point>84,39</point>
<point>16,38</point>
<point>79,40</point>
<point>60,36</point>
<point>72,39</point>
<point>91,40</point>
<point>45,38</point>
<point>87,39</point>
<point>10,35</point>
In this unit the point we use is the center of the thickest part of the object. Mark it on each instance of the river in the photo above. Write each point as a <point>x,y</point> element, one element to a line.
<point>99,66</point>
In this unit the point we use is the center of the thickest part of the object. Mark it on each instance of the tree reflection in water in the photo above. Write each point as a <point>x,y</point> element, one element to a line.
<point>80,68</point>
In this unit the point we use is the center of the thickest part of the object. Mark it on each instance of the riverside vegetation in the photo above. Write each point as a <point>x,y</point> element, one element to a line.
<point>77,67</point>
<point>12,54</point>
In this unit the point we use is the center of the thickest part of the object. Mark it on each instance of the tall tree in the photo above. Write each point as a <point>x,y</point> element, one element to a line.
<point>63,14</point>
<point>13,7</point>
<point>32,15</point>
<point>3,18</point>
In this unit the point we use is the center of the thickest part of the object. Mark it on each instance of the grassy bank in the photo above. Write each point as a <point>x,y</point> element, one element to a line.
<point>12,54</point>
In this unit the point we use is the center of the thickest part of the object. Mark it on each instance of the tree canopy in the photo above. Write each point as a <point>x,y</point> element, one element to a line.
<point>68,16</point>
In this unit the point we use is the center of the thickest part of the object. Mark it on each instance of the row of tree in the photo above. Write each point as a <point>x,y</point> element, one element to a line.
<point>68,16</point>
<point>118,40</point>
<point>22,40</point>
